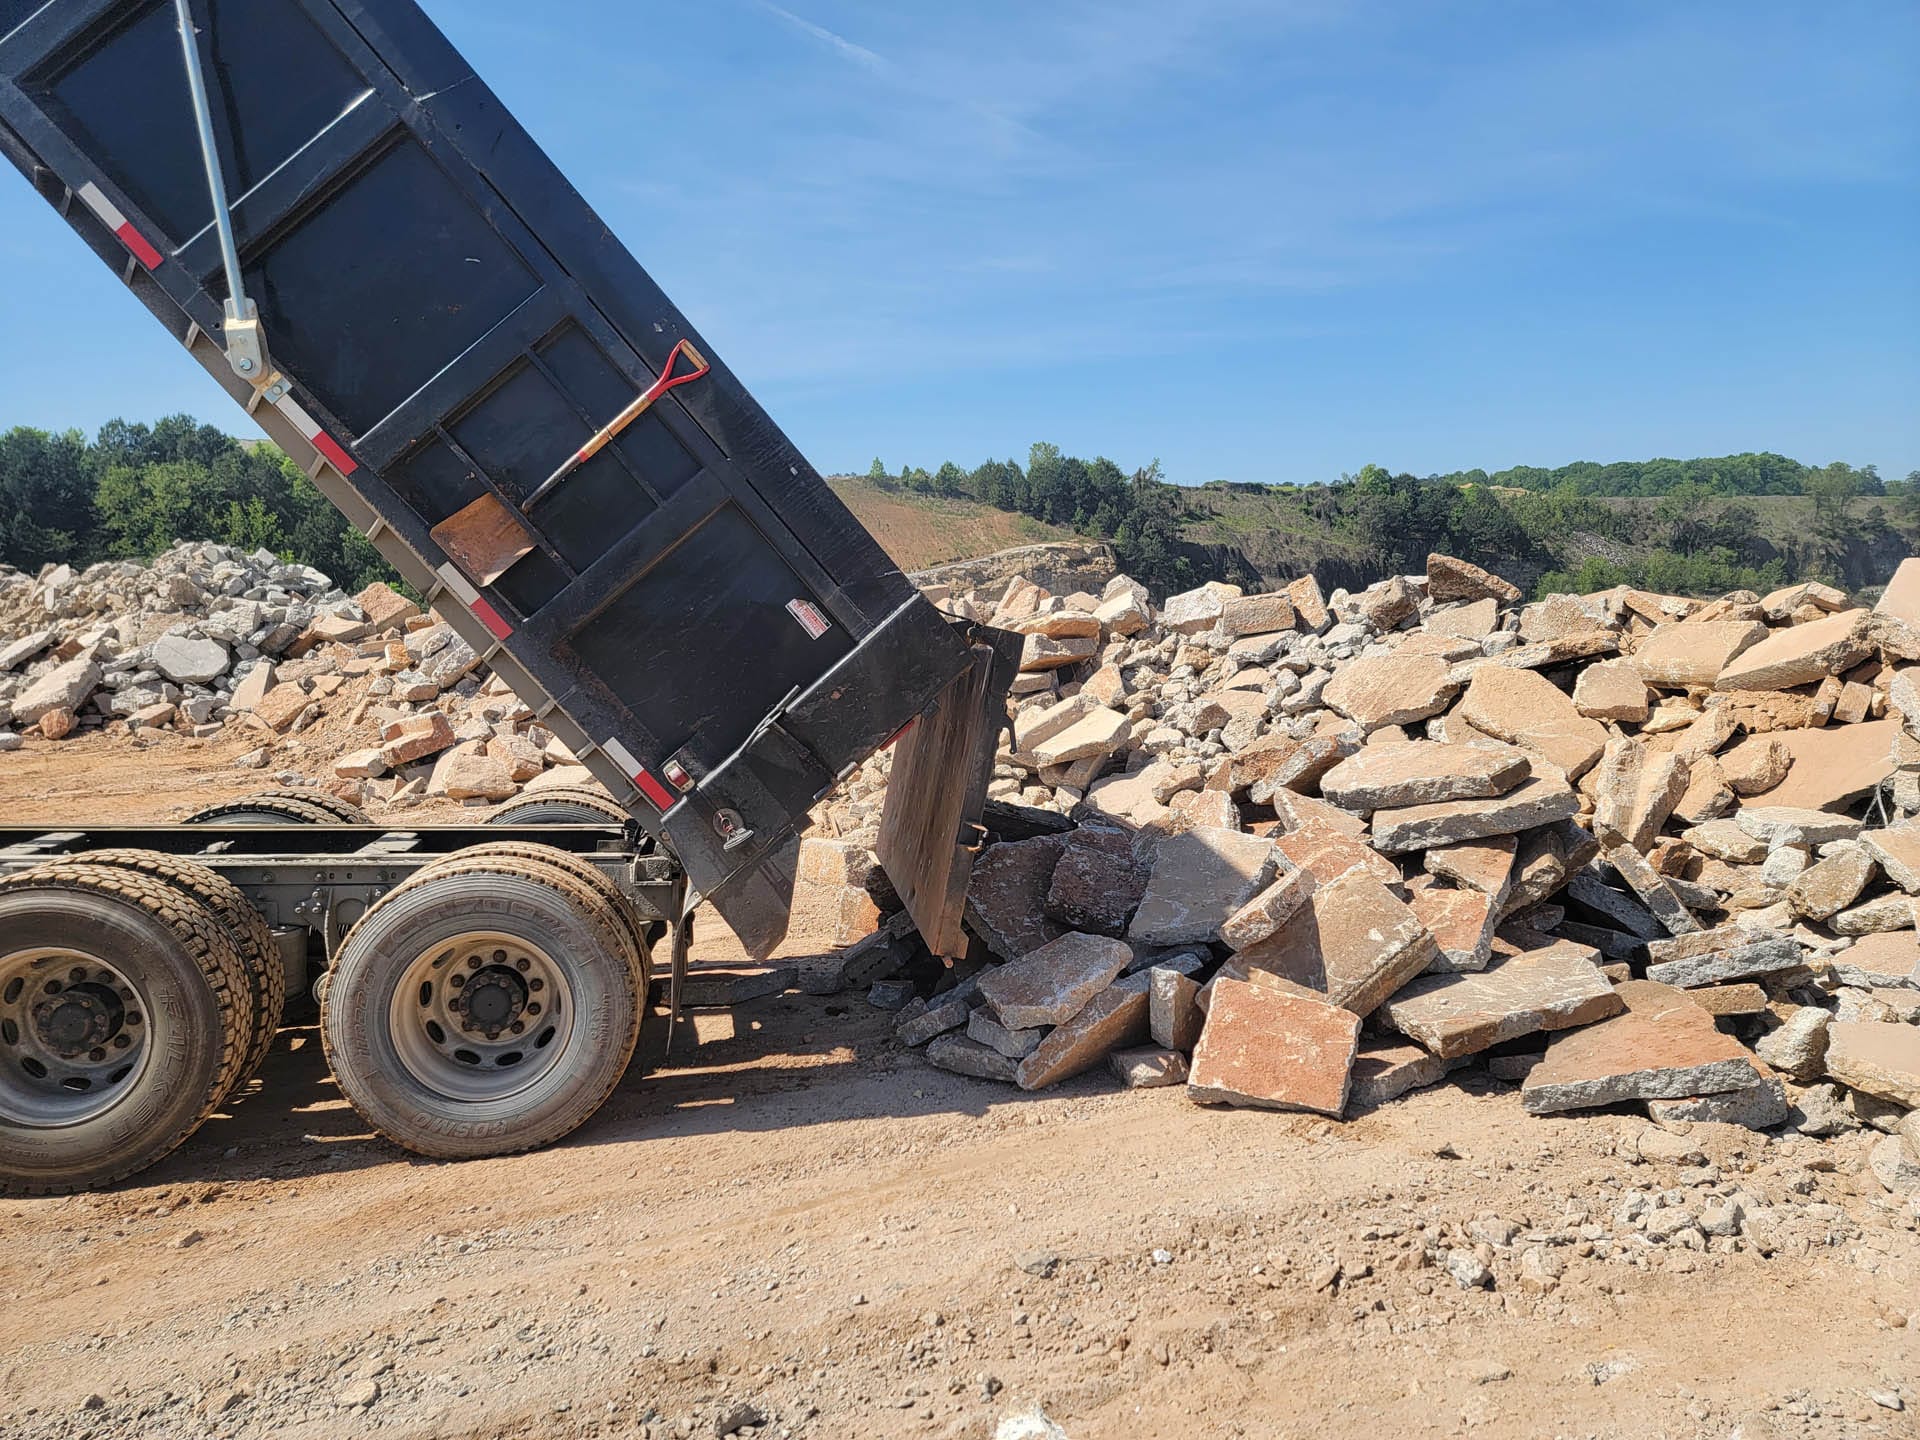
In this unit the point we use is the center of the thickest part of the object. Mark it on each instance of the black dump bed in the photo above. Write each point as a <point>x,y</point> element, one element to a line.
<point>447,322</point>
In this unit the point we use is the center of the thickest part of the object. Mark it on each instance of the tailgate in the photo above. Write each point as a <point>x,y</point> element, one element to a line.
<point>688,606</point>
<point>930,826</point>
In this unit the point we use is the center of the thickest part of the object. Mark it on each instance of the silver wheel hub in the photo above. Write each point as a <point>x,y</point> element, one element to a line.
<point>73,1037</point>
<point>481,1016</point>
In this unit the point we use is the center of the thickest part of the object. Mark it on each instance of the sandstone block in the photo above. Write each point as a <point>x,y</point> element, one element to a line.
<point>1878,1057</point>
<point>1264,1047</point>
<point>1449,578</point>
<point>1148,1066</point>
<point>1049,986</point>
<point>1526,709</point>
<point>1199,879</point>
<point>1612,690</point>
<point>1174,1016</point>
<point>1540,800</point>
<point>1390,689</point>
<point>1256,615</point>
<point>1799,654</point>
<point>963,1056</point>
<point>1354,942</point>
<point>1007,896</point>
<point>1421,772</point>
<point>64,687</point>
<point>1113,1019</point>
<point>1384,1070</point>
<point>1694,652</point>
<point>1663,1047</point>
<point>1551,989</point>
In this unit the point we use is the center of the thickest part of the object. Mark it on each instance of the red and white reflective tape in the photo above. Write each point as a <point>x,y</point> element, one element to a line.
<point>331,448</point>
<point>122,227</point>
<point>661,798</point>
<point>474,601</point>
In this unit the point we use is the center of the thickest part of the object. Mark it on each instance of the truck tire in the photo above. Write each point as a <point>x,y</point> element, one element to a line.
<point>482,1011</point>
<point>347,812</point>
<point>618,906</point>
<point>123,1024</point>
<point>559,805</point>
<point>263,810</point>
<point>245,926</point>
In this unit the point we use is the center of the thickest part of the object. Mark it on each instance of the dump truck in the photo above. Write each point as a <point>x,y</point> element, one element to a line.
<point>344,226</point>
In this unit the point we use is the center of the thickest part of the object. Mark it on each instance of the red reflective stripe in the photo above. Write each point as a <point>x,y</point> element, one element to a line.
<point>662,798</point>
<point>336,457</point>
<point>137,243</point>
<point>490,617</point>
<point>894,738</point>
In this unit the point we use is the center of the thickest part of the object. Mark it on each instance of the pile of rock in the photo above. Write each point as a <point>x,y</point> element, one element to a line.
<point>1309,852</point>
<point>209,640</point>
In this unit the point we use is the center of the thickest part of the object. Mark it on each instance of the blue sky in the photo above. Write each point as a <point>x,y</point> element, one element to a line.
<point>1259,239</point>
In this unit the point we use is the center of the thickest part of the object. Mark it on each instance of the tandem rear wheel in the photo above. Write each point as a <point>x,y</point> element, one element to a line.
<point>488,1005</point>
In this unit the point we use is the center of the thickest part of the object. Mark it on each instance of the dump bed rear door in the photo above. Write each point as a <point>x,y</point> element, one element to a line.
<point>692,609</point>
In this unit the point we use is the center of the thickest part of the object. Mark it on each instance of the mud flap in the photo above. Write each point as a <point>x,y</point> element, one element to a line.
<point>930,829</point>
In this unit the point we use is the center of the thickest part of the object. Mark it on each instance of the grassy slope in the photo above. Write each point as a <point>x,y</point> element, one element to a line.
<point>922,530</point>
<point>1278,535</point>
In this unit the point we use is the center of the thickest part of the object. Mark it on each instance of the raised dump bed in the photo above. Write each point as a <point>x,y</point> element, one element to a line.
<point>410,299</point>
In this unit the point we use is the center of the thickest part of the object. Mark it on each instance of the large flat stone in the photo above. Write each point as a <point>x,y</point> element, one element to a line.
<point>1612,690</point>
<point>1551,989</point>
<point>1526,709</point>
<point>1834,766</point>
<point>1007,896</point>
<point>1328,852</point>
<point>1200,877</point>
<point>64,687</point>
<point>1539,800</point>
<point>1267,1048</point>
<point>1759,1107</point>
<point>190,659</point>
<point>1354,942</point>
<point>1098,882</point>
<point>1792,825</point>
<point>1113,1019</point>
<point>963,1056</point>
<point>1451,578</point>
<point>1693,652</point>
<point>1193,612</point>
<point>1880,1058</point>
<point>1829,886</point>
<point>1049,986</point>
<point>1724,953</point>
<point>1390,689</point>
<point>1891,958</point>
<point>1800,654</point>
<point>1421,772</point>
<point>1901,599</point>
<point>1663,1047</point>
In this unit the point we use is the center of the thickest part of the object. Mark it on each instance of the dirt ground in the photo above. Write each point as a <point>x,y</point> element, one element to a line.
<point>793,1214</point>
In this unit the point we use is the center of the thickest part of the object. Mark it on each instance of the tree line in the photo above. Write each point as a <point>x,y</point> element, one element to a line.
<point>1698,536</point>
<point>134,489</point>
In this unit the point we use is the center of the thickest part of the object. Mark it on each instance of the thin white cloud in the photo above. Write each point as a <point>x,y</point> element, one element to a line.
<point>858,54</point>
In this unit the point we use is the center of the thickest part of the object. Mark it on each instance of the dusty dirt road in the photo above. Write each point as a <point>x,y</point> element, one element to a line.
<point>798,1217</point>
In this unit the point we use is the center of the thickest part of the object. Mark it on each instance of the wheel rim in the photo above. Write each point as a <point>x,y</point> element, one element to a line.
<point>482,1016</point>
<point>73,1037</point>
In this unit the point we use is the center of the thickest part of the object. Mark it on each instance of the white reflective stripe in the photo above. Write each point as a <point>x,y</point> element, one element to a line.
<point>101,206</point>
<point>303,422</point>
<point>457,583</point>
<point>622,755</point>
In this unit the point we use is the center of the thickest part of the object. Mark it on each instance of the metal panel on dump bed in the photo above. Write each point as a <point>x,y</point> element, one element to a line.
<point>690,607</point>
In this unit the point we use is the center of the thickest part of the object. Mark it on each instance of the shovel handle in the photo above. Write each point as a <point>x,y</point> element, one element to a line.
<point>642,403</point>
